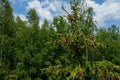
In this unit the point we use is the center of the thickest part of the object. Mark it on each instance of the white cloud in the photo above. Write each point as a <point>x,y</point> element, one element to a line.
<point>109,10</point>
<point>47,9</point>
<point>22,16</point>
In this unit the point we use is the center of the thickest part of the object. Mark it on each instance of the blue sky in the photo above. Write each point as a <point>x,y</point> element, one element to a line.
<point>107,12</point>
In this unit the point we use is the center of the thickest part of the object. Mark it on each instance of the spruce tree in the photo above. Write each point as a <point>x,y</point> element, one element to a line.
<point>7,28</point>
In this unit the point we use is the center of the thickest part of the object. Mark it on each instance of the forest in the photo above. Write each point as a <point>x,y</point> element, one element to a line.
<point>72,47</point>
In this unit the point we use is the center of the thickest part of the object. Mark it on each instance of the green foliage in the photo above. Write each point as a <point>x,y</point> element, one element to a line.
<point>60,24</point>
<point>110,39</point>
<point>33,18</point>
<point>70,48</point>
<point>101,70</point>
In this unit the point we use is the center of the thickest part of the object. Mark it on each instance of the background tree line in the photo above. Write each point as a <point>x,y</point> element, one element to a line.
<point>72,47</point>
